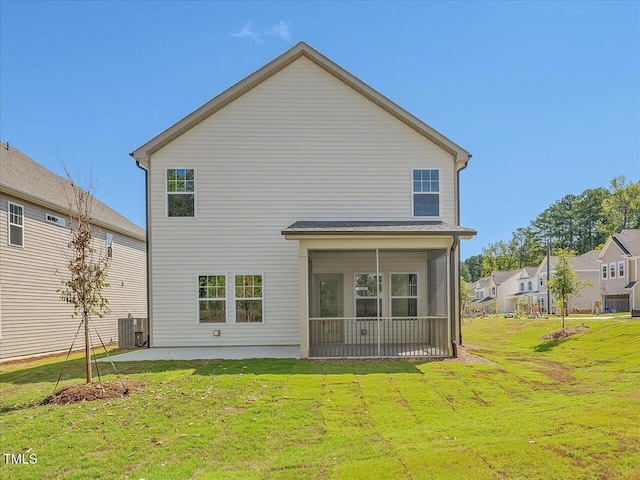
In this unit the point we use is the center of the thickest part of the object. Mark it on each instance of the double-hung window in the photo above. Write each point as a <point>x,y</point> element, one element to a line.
<point>212,294</point>
<point>404,295</point>
<point>181,187</point>
<point>366,294</point>
<point>620,269</point>
<point>522,286</point>
<point>612,270</point>
<point>604,271</point>
<point>16,224</point>
<point>529,286</point>
<point>426,193</point>
<point>248,289</point>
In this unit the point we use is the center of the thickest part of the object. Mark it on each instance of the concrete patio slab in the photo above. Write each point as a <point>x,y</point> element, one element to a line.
<point>205,353</point>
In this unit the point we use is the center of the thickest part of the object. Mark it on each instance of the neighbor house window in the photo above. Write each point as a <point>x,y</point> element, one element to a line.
<point>620,269</point>
<point>212,293</point>
<point>426,193</point>
<point>529,286</point>
<point>493,290</point>
<point>366,293</point>
<point>181,192</point>
<point>109,245</point>
<point>612,270</point>
<point>16,224</point>
<point>522,286</point>
<point>541,280</point>
<point>248,298</point>
<point>604,271</point>
<point>55,219</point>
<point>404,295</point>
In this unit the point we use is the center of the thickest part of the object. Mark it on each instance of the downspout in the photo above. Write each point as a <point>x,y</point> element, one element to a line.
<point>454,282</point>
<point>147,245</point>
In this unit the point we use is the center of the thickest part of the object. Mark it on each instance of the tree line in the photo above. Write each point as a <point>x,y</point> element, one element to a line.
<point>576,223</point>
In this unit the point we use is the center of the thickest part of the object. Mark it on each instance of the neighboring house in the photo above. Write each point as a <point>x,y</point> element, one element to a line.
<point>618,273</point>
<point>34,237</point>
<point>481,300</point>
<point>586,268</point>
<point>302,207</point>
<point>523,294</point>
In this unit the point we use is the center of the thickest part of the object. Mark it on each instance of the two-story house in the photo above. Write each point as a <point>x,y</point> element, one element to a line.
<point>34,252</point>
<point>618,259</point>
<point>586,268</point>
<point>302,207</point>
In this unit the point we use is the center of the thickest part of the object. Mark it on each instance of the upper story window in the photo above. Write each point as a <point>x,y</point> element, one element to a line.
<point>493,290</point>
<point>49,217</point>
<point>522,286</point>
<point>212,294</point>
<point>612,270</point>
<point>604,271</point>
<point>541,280</point>
<point>426,193</point>
<point>16,224</point>
<point>181,187</point>
<point>529,286</point>
<point>620,269</point>
<point>109,245</point>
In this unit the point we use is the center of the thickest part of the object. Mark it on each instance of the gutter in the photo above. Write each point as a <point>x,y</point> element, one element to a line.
<point>147,246</point>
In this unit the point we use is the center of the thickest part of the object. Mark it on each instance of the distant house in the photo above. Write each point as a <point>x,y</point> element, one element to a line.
<point>586,268</point>
<point>302,207</point>
<point>33,257</point>
<point>618,272</point>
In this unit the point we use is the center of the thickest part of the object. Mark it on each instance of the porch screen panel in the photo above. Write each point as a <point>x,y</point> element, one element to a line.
<point>437,283</point>
<point>366,293</point>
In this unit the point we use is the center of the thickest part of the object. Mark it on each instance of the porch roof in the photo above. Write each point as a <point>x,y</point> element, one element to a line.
<point>377,227</point>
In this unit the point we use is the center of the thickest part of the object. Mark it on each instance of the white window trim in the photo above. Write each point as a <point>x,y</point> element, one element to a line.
<point>529,285</point>
<point>391,297</point>
<point>522,286</point>
<point>225,299</point>
<point>381,293</point>
<point>604,272</point>
<point>55,219</point>
<point>624,270</point>
<point>612,264</point>
<point>108,240</point>
<point>233,294</point>
<point>195,192</point>
<point>9,224</point>
<point>432,217</point>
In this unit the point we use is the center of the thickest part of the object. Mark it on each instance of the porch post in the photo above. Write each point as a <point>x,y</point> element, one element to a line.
<point>303,281</point>
<point>378,282</point>
<point>450,293</point>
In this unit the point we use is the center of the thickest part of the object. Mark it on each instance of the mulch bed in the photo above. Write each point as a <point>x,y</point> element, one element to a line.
<point>564,333</point>
<point>88,392</point>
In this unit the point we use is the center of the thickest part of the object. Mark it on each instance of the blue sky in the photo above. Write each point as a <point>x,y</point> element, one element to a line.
<point>546,95</point>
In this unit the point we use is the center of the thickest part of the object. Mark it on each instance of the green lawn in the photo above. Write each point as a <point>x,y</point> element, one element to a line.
<point>569,409</point>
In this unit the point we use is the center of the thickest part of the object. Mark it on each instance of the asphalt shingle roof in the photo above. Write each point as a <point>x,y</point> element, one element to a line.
<point>22,177</point>
<point>409,227</point>
<point>630,239</point>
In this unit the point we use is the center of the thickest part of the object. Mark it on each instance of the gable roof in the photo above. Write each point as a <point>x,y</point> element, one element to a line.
<point>22,177</point>
<point>580,263</point>
<point>627,241</point>
<point>500,276</point>
<point>143,153</point>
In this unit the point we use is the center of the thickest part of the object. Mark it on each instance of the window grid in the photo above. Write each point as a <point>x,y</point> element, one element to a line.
<point>212,296</point>
<point>366,292</point>
<point>426,192</point>
<point>55,219</point>
<point>16,224</point>
<point>180,192</point>
<point>249,298</point>
<point>404,291</point>
<point>612,270</point>
<point>620,269</point>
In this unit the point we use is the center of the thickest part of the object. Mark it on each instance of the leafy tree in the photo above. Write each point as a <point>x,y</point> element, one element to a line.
<point>87,267</point>
<point>465,275</point>
<point>500,255</point>
<point>530,250</point>
<point>564,282</point>
<point>474,265</point>
<point>622,206</point>
<point>590,219</point>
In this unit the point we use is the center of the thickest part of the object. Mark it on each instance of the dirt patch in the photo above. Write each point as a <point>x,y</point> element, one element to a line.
<point>88,392</point>
<point>465,356</point>
<point>564,333</point>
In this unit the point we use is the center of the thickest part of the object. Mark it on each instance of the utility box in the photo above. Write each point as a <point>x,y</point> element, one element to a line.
<point>133,332</point>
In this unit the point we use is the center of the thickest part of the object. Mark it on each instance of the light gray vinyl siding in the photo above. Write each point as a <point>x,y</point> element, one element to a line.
<point>614,286</point>
<point>300,146</point>
<point>34,319</point>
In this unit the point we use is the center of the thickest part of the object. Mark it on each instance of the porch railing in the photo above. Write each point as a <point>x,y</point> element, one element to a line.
<point>384,337</point>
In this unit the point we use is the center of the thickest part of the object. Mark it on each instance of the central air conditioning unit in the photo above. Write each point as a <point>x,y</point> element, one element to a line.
<point>133,332</point>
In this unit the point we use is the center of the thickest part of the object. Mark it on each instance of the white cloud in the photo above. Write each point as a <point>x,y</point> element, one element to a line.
<point>281,30</point>
<point>248,31</point>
